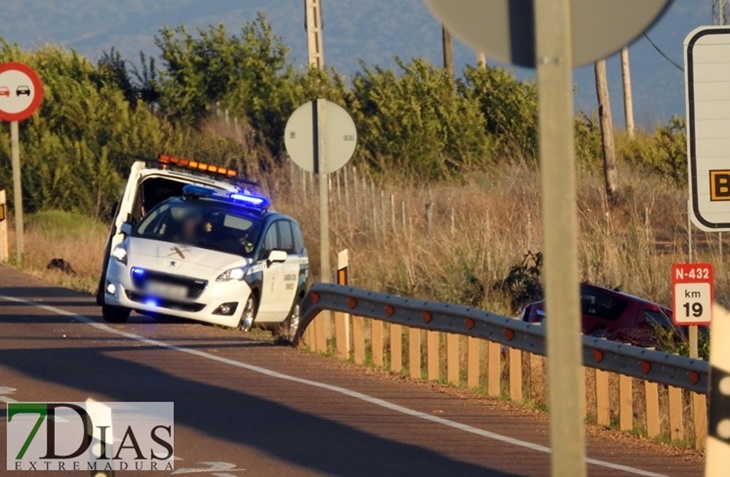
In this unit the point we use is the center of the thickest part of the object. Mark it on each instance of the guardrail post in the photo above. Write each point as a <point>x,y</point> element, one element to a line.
<point>603,408</point>
<point>358,339</point>
<point>452,358</point>
<point>625,391</point>
<point>676,420</point>
<point>396,348</point>
<point>699,417</point>
<point>653,423</point>
<point>494,369</point>
<point>538,390</point>
<point>3,227</point>
<point>376,340</point>
<point>433,355</point>
<point>515,374</point>
<point>473,355</point>
<point>414,353</point>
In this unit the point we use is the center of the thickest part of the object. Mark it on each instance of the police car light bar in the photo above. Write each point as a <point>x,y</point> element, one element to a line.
<point>245,199</point>
<point>198,166</point>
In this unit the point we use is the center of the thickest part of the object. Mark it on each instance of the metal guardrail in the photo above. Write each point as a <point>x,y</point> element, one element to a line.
<point>651,365</point>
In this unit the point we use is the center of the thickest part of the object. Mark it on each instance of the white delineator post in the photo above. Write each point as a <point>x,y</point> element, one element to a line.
<point>717,445</point>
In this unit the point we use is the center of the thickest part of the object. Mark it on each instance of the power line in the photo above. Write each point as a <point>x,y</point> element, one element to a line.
<point>664,55</point>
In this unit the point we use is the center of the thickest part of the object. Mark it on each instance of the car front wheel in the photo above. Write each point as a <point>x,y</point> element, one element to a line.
<point>115,314</point>
<point>249,314</point>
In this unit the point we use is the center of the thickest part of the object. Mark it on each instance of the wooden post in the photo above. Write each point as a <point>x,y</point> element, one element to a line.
<point>3,227</point>
<point>429,216</point>
<point>414,353</point>
<point>452,358</point>
<point>699,416</point>
<point>433,355</point>
<point>320,330</point>
<point>603,408</point>
<point>606,122</point>
<point>515,374</point>
<point>653,423</point>
<point>676,418</point>
<point>396,348</point>
<point>448,51</point>
<point>376,340</point>
<point>494,369</point>
<point>626,408</point>
<point>358,339</point>
<point>473,355</point>
<point>628,100</point>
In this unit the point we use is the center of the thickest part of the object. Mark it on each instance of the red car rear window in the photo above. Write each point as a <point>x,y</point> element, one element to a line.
<point>601,306</point>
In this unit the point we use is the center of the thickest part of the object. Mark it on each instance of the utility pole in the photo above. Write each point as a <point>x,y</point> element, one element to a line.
<point>448,51</point>
<point>313,26</point>
<point>720,12</point>
<point>628,100</point>
<point>606,121</point>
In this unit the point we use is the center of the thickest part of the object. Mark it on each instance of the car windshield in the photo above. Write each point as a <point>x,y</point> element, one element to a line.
<point>201,224</point>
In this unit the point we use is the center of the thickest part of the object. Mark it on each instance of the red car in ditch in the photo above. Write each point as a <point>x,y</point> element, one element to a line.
<point>616,316</point>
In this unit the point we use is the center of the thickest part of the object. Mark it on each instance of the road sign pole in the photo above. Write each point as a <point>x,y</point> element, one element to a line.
<point>557,164</point>
<point>693,342</point>
<point>324,200</point>
<point>17,191</point>
<point>324,327</point>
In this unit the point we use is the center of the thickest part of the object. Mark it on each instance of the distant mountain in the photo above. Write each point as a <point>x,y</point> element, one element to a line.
<point>354,30</point>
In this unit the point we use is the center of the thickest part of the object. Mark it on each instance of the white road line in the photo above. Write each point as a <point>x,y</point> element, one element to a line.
<point>336,389</point>
<point>6,390</point>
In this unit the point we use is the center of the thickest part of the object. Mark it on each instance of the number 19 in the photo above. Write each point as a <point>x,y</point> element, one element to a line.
<point>695,309</point>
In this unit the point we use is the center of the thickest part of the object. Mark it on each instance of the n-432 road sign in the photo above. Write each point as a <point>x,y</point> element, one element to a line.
<point>692,293</point>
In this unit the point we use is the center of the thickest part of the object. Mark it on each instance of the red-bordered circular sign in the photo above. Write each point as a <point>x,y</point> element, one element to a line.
<point>21,91</point>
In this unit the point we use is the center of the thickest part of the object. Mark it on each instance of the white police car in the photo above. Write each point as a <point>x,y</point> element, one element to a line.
<point>202,248</point>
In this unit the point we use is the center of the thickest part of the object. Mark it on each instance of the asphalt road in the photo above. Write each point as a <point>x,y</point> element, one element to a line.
<point>244,406</point>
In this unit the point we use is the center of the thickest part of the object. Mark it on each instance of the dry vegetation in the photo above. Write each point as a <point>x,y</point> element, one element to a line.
<point>478,229</point>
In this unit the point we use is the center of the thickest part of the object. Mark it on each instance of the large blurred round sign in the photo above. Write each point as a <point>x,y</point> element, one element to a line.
<point>301,136</point>
<point>505,29</point>
<point>20,91</point>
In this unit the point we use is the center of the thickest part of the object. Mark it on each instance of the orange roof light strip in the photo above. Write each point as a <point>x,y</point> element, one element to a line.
<point>200,166</point>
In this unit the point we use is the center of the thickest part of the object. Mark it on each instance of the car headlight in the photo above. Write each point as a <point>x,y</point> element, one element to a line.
<point>120,253</point>
<point>232,274</point>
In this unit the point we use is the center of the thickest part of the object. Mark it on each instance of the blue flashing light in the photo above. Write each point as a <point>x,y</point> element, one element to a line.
<point>256,201</point>
<point>198,191</point>
<point>138,271</point>
<point>150,302</point>
<point>244,198</point>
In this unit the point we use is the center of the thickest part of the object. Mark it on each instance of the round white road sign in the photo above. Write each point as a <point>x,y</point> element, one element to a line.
<point>302,136</point>
<point>20,91</point>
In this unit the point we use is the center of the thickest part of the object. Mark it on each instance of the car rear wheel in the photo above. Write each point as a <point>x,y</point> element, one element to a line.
<point>249,314</point>
<point>115,314</point>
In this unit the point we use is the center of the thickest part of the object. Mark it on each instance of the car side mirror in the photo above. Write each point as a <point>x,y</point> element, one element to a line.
<point>277,256</point>
<point>126,229</point>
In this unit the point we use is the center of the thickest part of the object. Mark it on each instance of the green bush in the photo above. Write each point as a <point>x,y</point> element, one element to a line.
<point>509,107</point>
<point>415,122</point>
